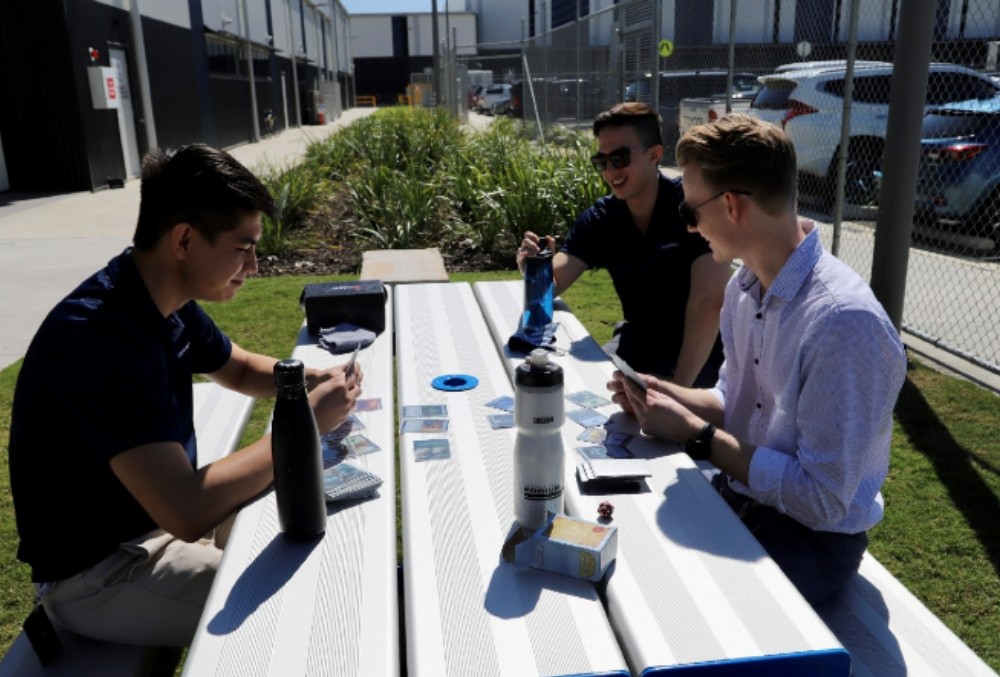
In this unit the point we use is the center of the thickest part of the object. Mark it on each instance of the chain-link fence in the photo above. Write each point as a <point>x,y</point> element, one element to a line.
<point>823,71</point>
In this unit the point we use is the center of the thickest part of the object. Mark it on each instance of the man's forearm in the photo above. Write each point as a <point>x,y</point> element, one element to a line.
<point>700,332</point>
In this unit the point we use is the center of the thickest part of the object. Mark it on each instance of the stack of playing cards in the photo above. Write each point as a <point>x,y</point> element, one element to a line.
<point>344,481</point>
<point>604,463</point>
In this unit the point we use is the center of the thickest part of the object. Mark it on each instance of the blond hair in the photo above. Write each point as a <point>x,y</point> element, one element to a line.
<point>742,152</point>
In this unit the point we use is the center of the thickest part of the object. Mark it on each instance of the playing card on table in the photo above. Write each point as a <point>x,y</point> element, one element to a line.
<point>355,422</point>
<point>588,418</point>
<point>617,452</point>
<point>592,435</point>
<point>503,403</point>
<point>592,451</point>
<point>334,437</point>
<point>345,481</point>
<point>587,399</point>
<point>424,425</point>
<point>360,445</point>
<point>501,420</point>
<point>617,438</point>
<point>425,411</point>
<point>369,404</point>
<point>431,450</point>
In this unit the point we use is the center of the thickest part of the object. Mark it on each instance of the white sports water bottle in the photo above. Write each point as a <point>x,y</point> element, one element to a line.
<point>538,451</point>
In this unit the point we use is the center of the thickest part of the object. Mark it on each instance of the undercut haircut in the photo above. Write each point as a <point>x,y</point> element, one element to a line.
<point>639,116</point>
<point>196,184</point>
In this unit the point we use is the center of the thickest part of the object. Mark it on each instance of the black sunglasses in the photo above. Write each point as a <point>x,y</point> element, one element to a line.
<point>689,215</point>
<point>619,158</point>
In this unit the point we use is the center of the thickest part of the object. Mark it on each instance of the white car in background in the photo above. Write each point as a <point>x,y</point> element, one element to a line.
<point>807,102</point>
<point>491,95</point>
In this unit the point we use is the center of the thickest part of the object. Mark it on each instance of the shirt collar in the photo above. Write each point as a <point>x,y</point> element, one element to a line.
<point>793,274</point>
<point>123,269</point>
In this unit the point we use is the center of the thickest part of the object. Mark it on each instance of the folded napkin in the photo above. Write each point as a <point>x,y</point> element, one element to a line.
<point>526,339</point>
<point>345,337</point>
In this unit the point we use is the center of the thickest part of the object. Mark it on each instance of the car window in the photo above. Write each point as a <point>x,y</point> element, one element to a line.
<point>745,83</point>
<point>872,89</point>
<point>945,87</point>
<point>867,88</point>
<point>951,125</point>
<point>773,95</point>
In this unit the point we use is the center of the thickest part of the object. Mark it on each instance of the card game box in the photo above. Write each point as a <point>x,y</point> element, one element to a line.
<point>361,303</point>
<point>570,546</point>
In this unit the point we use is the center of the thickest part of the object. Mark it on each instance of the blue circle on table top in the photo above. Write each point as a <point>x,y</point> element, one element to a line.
<point>455,382</point>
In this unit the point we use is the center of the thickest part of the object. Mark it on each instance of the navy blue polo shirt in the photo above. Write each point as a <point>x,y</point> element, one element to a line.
<point>105,373</point>
<point>651,272</point>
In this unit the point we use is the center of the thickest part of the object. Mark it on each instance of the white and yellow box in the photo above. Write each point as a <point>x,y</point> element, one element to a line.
<point>571,547</point>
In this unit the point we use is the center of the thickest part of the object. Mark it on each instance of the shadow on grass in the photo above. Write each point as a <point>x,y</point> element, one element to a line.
<point>954,465</point>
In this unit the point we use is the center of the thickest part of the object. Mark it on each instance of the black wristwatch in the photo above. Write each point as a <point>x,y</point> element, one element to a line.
<point>699,447</point>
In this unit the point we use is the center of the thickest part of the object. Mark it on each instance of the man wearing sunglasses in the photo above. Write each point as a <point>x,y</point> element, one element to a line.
<point>800,421</point>
<point>669,285</point>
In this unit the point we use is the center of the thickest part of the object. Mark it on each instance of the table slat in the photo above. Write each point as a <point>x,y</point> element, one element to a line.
<point>467,611</point>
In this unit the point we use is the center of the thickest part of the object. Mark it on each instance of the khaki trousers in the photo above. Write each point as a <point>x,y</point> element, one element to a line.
<point>150,592</point>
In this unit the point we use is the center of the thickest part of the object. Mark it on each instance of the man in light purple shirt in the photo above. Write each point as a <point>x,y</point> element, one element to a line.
<point>800,421</point>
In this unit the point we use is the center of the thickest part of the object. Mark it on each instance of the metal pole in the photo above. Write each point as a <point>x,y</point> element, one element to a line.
<point>241,9</point>
<point>654,85</point>
<point>293,50</point>
<point>436,59</point>
<point>448,47</point>
<point>545,67</point>
<point>578,88</point>
<point>732,56</point>
<point>845,129</point>
<point>135,17</point>
<point>455,106</point>
<point>902,154</point>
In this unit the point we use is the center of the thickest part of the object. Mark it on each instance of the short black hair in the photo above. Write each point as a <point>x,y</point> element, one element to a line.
<point>197,184</point>
<point>640,116</point>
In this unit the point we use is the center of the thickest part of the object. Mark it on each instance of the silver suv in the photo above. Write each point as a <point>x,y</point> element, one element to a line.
<point>807,103</point>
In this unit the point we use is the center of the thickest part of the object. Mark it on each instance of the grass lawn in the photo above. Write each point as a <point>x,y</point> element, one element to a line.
<point>939,536</point>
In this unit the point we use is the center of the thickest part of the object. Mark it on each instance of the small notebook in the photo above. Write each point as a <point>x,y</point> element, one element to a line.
<point>344,481</point>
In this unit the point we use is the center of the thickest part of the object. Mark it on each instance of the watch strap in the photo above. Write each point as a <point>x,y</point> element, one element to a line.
<point>699,447</point>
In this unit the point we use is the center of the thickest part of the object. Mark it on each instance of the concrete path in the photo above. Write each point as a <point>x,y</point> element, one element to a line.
<point>51,243</point>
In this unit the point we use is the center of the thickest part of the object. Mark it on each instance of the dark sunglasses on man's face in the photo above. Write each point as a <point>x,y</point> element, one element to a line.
<point>619,158</point>
<point>689,215</point>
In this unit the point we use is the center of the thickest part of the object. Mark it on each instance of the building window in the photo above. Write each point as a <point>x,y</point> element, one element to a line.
<point>226,56</point>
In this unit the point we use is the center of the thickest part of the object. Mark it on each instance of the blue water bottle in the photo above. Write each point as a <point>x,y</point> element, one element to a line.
<point>539,288</point>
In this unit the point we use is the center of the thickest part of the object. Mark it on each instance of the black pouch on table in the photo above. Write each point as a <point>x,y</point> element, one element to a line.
<point>328,304</point>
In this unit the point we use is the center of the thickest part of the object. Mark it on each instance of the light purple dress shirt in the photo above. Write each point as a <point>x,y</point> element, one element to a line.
<point>811,377</point>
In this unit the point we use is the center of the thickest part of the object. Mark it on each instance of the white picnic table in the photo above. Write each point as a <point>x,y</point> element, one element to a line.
<point>325,607</point>
<point>691,586</point>
<point>467,611</point>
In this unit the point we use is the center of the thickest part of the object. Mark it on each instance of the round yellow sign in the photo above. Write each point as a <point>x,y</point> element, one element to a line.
<point>666,48</point>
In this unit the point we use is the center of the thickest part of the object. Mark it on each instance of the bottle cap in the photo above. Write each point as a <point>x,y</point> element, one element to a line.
<point>288,373</point>
<point>538,371</point>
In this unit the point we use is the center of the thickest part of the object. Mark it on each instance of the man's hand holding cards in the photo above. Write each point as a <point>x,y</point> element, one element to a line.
<point>629,372</point>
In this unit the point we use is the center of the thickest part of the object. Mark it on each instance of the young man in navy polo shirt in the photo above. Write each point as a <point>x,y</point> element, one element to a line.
<point>669,285</point>
<point>112,511</point>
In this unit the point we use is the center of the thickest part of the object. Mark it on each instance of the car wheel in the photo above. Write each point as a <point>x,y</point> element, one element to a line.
<point>864,169</point>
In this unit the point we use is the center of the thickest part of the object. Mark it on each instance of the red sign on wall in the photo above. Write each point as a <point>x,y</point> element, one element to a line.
<point>110,84</point>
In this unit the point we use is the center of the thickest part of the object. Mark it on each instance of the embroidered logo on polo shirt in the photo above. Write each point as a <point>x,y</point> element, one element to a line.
<point>182,351</point>
<point>669,245</point>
